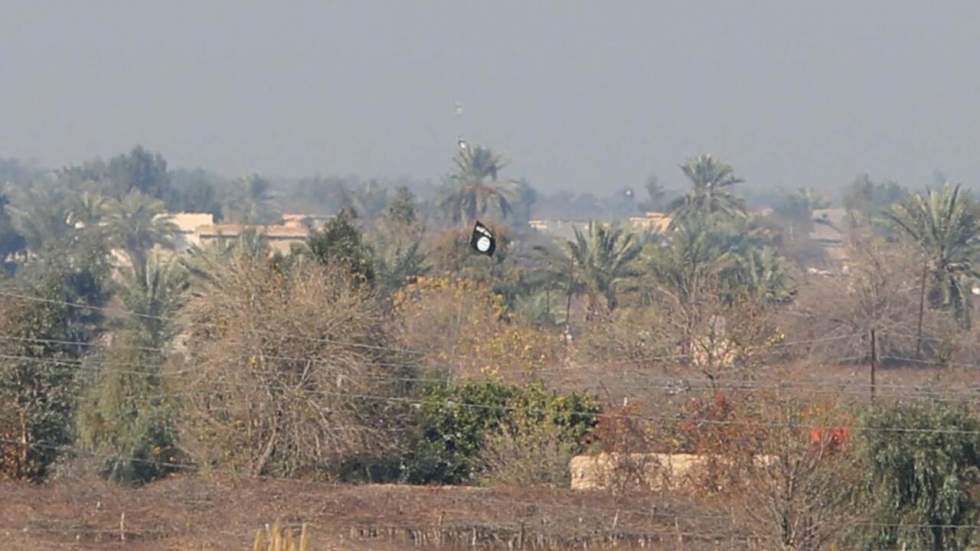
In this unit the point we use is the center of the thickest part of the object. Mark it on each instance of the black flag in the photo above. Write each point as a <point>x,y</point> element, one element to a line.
<point>483,240</point>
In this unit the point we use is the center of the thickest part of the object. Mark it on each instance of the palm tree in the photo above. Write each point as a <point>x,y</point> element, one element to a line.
<point>762,274</point>
<point>44,217</point>
<point>86,209</point>
<point>694,261</point>
<point>602,261</point>
<point>155,294</point>
<point>947,231</point>
<point>711,181</point>
<point>206,264</point>
<point>135,225</point>
<point>476,189</point>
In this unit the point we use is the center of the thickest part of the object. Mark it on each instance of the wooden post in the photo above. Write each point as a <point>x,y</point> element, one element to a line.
<point>874,364</point>
<point>922,311</point>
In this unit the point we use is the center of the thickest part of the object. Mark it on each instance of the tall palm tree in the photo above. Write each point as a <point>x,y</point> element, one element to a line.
<point>155,293</point>
<point>135,225</point>
<point>712,182</point>
<point>602,261</point>
<point>694,261</point>
<point>946,229</point>
<point>475,188</point>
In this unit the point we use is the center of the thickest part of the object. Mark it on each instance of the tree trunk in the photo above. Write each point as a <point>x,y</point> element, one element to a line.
<point>922,310</point>
<point>267,452</point>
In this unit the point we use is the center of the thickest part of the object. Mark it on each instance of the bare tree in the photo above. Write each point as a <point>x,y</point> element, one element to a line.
<point>797,495</point>
<point>283,369</point>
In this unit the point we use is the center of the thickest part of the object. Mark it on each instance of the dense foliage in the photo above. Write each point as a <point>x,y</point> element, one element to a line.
<point>361,338</point>
<point>455,421</point>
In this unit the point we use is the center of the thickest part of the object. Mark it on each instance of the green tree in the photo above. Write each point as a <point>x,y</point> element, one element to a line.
<point>369,200</point>
<point>44,217</point>
<point>47,327</point>
<point>655,196</point>
<point>126,416</point>
<point>403,210</point>
<point>711,183</point>
<point>253,201</point>
<point>135,225</point>
<point>396,243</point>
<point>693,261</point>
<point>139,170</point>
<point>455,421</point>
<point>11,241</point>
<point>474,188</point>
<point>155,296</point>
<point>603,261</point>
<point>763,275</point>
<point>340,243</point>
<point>921,463</point>
<point>867,200</point>
<point>197,191</point>
<point>524,196</point>
<point>945,227</point>
<point>207,266</point>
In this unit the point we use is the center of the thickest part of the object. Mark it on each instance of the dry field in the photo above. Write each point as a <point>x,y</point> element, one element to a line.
<point>214,513</point>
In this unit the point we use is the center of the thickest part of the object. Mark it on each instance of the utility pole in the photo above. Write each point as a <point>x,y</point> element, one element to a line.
<point>874,364</point>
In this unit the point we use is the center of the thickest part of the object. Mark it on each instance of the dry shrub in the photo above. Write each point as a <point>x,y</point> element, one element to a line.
<point>527,454</point>
<point>880,291</point>
<point>800,499</point>
<point>281,538</point>
<point>279,367</point>
<point>627,337</point>
<point>622,434</point>
<point>11,455</point>
<point>461,323</point>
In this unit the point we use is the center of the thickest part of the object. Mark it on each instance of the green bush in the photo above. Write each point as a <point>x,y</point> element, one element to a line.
<point>455,421</point>
<point>125,418</point>
<point>921,464</point>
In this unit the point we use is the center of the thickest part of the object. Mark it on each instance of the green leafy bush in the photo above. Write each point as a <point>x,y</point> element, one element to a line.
<point>455,422</point>
<point>921,463</point>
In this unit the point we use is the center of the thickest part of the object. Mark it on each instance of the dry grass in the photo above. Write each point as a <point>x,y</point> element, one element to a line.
<point>218,514</point>
<point>281,538</point>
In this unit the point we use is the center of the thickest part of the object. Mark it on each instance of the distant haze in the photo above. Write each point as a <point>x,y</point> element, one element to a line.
<point>587,96</point>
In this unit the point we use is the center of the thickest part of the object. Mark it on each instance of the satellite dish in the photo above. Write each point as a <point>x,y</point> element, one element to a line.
<point>462,143</point>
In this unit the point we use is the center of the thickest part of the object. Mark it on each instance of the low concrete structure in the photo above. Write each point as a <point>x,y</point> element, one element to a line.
<point>563,230</point>
<point>656,471</point>
<point>280,237</point>
<point>651,221</point>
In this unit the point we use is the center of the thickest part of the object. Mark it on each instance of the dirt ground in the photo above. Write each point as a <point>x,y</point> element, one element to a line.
<point>193,512</point>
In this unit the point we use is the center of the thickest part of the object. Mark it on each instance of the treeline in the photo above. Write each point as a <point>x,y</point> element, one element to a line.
<point>382,348</point>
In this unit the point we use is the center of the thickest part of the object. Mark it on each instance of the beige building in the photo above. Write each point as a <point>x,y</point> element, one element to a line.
<point>199,229</point>
<point>280,237</point>
<point>829,231</point>
<point>315,221</point>
<point>560,229</point>
<point>187,224</point>
<point>651,221</point>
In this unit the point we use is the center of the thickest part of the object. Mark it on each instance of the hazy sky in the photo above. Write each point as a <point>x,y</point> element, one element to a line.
<point>578,95</point>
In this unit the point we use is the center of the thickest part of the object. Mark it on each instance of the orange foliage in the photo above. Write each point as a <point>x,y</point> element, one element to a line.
<point>830,438</point>
<point>460,324</point>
